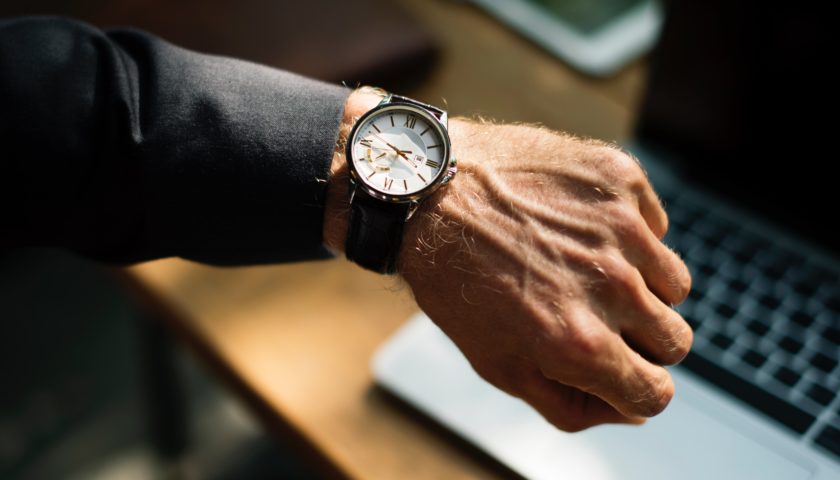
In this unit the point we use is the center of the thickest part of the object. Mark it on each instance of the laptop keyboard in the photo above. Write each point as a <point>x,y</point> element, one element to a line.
<point>766,319</point>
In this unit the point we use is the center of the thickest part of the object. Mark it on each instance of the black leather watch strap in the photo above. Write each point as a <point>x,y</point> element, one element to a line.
<point>375,233</point>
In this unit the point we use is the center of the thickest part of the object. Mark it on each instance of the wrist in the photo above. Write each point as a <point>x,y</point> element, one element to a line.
<point>337,207</point>
<point>433,236</point>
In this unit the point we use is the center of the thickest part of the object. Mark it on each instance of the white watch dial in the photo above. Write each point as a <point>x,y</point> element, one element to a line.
<point>398,151</point>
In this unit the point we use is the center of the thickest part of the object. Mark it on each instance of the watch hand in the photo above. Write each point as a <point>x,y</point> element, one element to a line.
<point>395,150</point>
<point>399,152</point>
<point>374,161</point>
<point>409,163</point>
<point>385,142</point>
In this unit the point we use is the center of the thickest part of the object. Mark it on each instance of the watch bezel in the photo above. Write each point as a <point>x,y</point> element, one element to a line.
<point>440,179</point>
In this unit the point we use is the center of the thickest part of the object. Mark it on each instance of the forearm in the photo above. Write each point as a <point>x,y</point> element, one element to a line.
<point>126,148</point>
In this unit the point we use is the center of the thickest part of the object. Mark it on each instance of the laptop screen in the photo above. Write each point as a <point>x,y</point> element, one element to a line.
<point>587,16</point>
<point>740,93</point>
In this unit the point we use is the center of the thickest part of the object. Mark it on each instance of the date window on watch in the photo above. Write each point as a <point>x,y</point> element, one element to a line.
<point>418,160</point>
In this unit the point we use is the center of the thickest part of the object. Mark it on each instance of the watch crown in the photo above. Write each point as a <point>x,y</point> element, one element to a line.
<point>450,172</point>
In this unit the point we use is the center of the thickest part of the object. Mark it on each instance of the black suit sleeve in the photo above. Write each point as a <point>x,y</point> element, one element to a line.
<point>125,148</point>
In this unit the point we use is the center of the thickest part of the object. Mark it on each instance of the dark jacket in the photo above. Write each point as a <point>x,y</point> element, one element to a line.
<point>125,148</point>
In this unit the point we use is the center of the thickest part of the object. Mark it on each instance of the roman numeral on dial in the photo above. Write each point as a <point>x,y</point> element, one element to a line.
<point>366,143</point>
<point>388,182</point>
<point>432,163</point>
<point>410,121</point>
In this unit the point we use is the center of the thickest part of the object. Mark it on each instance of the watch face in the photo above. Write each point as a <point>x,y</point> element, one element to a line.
<point>398,151</point>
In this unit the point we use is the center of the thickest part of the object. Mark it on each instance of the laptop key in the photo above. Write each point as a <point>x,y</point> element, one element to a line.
<point>820,394</point>
<point>668,197</point>
<point>833,304</point>
<point>807,286</point>
<point>745,255</point>
<point>691,319</point>
<point>707,270</point>
<point>791,345</point>
<point>741,248</point>
<point>823,362</point>
<point>681,219</point>
<point>787,376</point>
<point>713,231</point>
<point>739,286</point>
<point>810,278</point>
<point>751,357</point>
<point>722,341</point>
<point>780,410</point>
<point>829,439</point>
<point>771,302</point>
<point>817,274</point>
<point>776,271</point>
<point>781,259</point>
<point>802,319</point>
<point>758,327</point>
<point>696,294</point>
<point>832,334</point>
<point>725,310</point>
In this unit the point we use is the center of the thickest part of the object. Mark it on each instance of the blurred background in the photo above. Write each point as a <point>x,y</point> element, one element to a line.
<point>94,387</point>
<point>102,378</point>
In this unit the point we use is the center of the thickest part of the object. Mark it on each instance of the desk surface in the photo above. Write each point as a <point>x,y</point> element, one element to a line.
<point>295,341</point>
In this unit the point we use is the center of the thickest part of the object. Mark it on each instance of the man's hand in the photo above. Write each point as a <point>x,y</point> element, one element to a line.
<point>542,261</point>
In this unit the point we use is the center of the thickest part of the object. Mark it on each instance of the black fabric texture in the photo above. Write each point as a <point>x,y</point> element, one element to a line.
<point>125,148</point>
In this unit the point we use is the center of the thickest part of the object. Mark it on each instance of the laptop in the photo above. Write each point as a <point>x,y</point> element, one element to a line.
<point>597,37</point>
<point>730,136</point>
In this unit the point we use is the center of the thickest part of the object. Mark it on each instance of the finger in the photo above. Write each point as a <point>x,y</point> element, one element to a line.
<point>595,359</point>
<point>568,408</point>
<point>652,211</point>
<point>652,327</point>
<point>663,271</point>
<point>645,389</point>
<point>630,171</point>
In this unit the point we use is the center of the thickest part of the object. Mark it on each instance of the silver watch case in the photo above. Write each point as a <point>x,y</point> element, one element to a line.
<point>437,118</point>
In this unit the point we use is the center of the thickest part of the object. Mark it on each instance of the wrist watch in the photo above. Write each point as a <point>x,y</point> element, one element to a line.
<point>398,154</point>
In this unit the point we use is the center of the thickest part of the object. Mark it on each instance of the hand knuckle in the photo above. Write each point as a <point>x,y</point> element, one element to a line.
<point>684,340</point>
<point>553,347</point>
<point>676,344</point>
<point>619,272</point>
<point>662,401</point>
<point>626,222</point>
<point>659,395</point>
<point>624,167</point>
<point>587,340</point>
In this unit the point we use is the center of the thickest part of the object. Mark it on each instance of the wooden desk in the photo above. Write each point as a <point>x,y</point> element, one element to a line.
<point>296,340</point>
